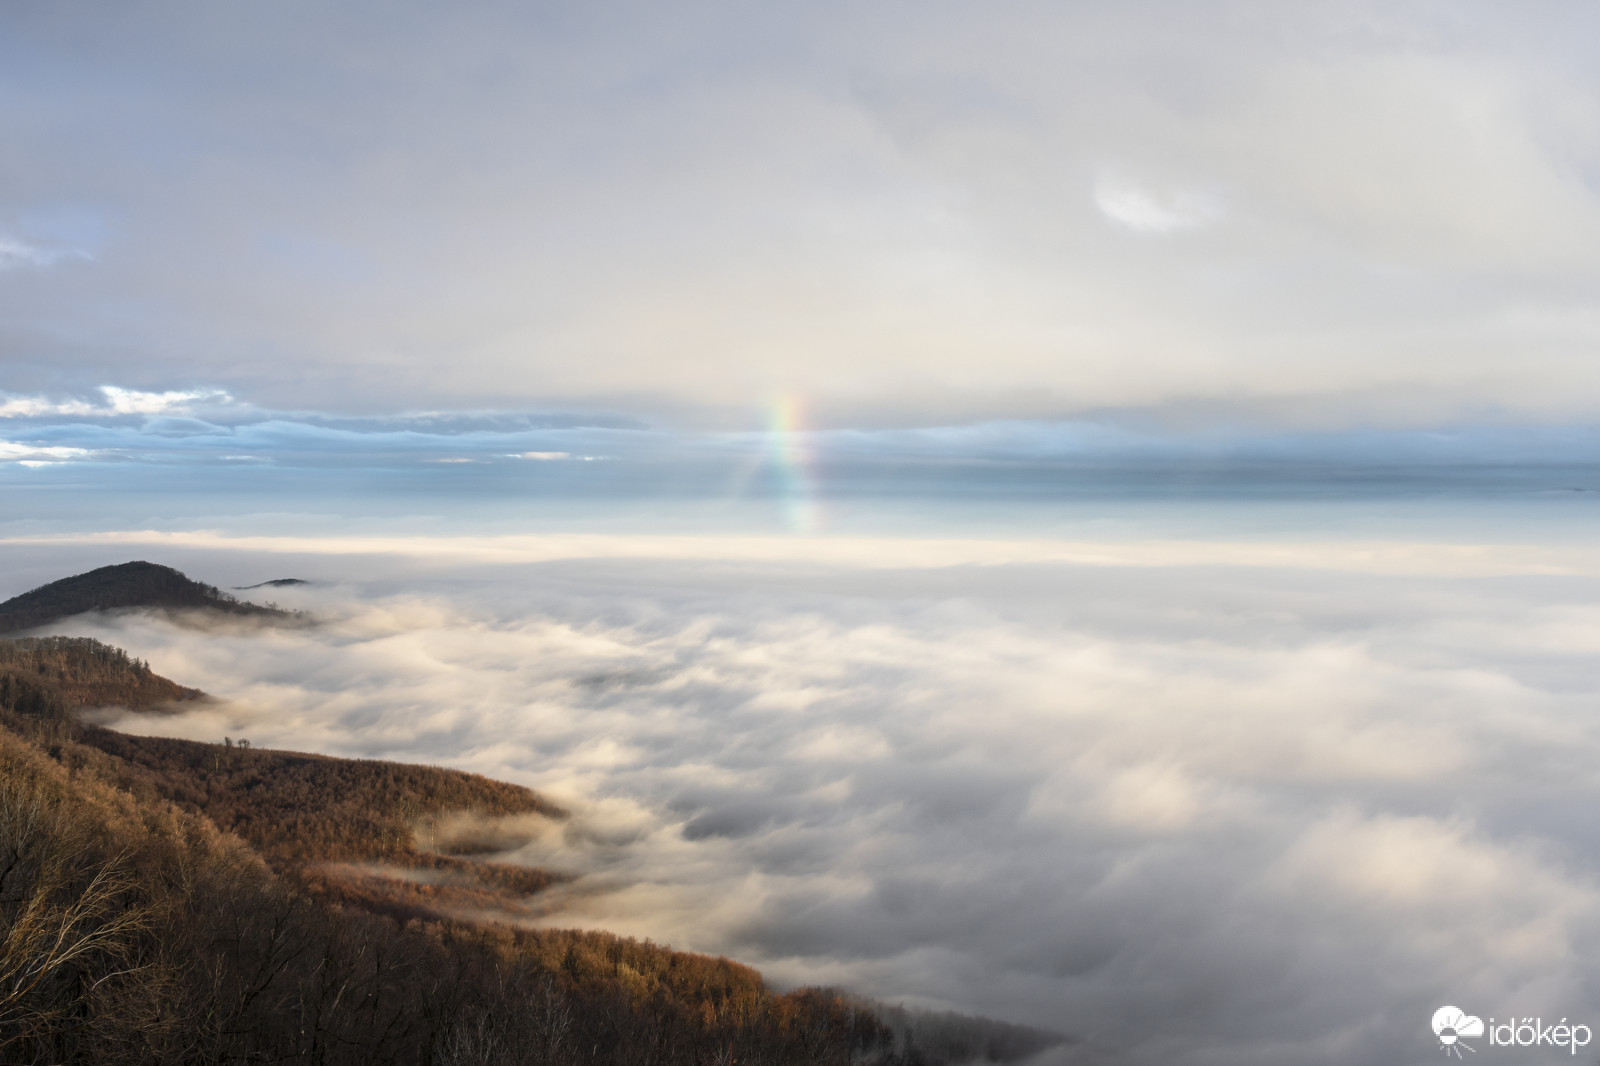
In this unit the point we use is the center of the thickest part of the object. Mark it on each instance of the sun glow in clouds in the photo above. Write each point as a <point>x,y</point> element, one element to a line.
<point>31,455</point>
<point>791,454</point>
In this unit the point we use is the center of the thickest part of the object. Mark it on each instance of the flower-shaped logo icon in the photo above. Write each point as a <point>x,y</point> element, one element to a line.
<point>1451,1024</point>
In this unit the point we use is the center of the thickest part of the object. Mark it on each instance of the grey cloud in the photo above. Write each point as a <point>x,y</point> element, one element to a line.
<point>17,254</point>
<point>688,209</point>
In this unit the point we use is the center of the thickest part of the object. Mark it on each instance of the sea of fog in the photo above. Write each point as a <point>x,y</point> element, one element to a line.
<point>1222,784</point>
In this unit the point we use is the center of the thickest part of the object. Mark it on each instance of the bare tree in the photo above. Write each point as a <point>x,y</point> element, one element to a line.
<point>64,913</point>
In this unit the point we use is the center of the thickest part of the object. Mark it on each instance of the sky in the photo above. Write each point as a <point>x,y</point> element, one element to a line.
<point>1077,511</point>
<point>1290,214</point>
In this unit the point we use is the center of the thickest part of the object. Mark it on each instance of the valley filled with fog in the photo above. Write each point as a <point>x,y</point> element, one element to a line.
<point>1189,809</point>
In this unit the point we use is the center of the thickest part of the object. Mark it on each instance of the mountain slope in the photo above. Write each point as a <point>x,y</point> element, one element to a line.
<point>135,931</point>
<point>65,673</point>
<point>296,808</point>
<point>125,585</point>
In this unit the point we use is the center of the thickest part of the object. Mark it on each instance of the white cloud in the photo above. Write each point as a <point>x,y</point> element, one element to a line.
<point>1202,813</point>
<point>16,254</point>
<point>1393,557</point>
<point>118,401</point>
<point>1145,209</point>
<point>37,406</point>
<point>133,402</point>
<point>36,455</point>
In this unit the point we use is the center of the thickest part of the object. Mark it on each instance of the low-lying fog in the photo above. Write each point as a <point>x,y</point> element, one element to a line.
<point>1192,813</point>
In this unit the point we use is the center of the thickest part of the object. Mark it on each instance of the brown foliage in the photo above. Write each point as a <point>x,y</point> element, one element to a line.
<point>47,676</point>
<point>31,696</point>
<point>431,887</point>
<point>297,808</point>
<point>186,949</point>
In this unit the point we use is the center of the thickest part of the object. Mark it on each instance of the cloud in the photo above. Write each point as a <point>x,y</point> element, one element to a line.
<point>31,455</point>
<point>134,402</point>
<point>1137,207</point>
<point>38,406</point>
<point>858,554</point>
<point>1203,815</point>
<point>118,401</point>
<point>171,434</point>
<point>906,227</point>
<point>17,254</point>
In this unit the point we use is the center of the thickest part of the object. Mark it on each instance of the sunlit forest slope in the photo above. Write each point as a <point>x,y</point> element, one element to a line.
<point>48,676</point>
<point>168,901</point>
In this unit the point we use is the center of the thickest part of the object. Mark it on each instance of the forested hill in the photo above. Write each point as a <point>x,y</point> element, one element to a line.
<point>125,585</point>
<point>48,677</point>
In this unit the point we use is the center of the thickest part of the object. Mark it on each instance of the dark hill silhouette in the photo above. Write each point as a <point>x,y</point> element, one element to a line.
<point>275,583</point>
<point>126,585</point>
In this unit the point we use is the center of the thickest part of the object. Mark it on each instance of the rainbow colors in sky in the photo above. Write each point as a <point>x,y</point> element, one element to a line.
<point>791,454</point>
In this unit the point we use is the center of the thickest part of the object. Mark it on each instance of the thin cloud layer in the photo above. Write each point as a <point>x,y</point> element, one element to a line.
<point>117,401</point>
<point>1195,814</point>
<point>16,254</point>
<point>209,426</point>
<point>1142,209</point>
<point>693,209</point>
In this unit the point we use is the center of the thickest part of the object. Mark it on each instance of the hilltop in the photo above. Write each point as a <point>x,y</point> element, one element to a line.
<point>123,586</point>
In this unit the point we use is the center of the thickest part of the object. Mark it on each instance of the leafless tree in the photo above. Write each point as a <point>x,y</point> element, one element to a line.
<point>65,915</point>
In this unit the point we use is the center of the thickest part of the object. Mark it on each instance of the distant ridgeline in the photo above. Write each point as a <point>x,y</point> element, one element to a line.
<point>180,902</point>
<point>126,585</point>
<point>278,583</point>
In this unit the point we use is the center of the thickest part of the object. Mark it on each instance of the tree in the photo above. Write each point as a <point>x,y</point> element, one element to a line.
<point>67,919</point>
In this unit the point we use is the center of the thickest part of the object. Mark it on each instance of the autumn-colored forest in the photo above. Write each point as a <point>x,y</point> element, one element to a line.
<point>79,672</point>
<point>166,901</point>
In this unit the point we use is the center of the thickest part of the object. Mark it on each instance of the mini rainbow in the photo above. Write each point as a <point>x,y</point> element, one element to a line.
<point>792,458</point>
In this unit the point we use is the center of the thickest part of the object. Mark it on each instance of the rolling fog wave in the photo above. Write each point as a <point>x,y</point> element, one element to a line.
<point>1192,814</point>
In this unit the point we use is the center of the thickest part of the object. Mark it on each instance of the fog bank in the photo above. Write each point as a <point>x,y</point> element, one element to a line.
<point>1194,813</point>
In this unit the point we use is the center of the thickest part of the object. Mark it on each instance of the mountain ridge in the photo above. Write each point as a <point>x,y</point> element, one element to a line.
<point>122,586</point>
